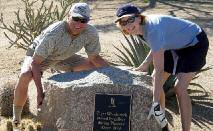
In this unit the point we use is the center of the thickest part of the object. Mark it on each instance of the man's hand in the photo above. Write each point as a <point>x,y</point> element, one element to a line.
<point>36,69</point>
<point>40,98</point>
<point>97,60</point>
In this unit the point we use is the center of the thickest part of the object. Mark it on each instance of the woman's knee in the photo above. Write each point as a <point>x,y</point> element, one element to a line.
<point>181,87</point>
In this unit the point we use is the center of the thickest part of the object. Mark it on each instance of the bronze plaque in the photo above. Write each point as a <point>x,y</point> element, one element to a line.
<point>112,112</point>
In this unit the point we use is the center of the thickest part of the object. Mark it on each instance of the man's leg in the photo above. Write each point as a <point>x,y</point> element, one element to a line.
<point>183,98</point>
<point>20,95</point>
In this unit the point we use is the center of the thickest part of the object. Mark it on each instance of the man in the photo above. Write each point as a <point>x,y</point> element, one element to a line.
<point>55,47</point>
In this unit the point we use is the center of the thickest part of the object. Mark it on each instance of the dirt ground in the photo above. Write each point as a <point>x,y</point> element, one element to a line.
<point>103,15</point>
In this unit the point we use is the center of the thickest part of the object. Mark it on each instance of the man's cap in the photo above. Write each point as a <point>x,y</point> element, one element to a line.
<point>127,10</point>
<point>80,10</point>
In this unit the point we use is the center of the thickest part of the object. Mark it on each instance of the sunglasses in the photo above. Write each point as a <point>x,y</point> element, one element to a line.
<point>78,19</point>
<point>131,19</point>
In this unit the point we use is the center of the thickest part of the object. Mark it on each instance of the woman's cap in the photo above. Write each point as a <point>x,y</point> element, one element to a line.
<point>126,10</point>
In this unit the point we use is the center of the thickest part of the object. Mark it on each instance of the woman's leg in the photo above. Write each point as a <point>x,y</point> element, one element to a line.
<point>158,108</point>
<point>162,95</point>
<point>184,101</point>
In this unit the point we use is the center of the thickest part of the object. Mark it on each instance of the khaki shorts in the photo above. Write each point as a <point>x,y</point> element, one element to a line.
<point>64,65</point>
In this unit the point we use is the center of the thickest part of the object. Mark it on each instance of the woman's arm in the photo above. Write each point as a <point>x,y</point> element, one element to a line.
<point>158,61</point>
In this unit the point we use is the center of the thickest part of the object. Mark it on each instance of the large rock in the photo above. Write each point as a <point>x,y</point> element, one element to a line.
<point>70,98</point>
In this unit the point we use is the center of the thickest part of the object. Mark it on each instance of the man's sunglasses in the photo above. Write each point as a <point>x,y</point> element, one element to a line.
<point>131,19</point>
<point>78,19</point>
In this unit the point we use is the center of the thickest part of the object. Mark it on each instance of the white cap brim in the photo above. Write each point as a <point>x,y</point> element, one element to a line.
<point>127,15</point>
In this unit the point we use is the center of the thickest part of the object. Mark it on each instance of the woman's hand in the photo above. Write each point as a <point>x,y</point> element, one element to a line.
<point>143,67</point>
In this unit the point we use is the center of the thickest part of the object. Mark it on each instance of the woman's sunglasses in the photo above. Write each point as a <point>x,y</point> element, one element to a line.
<point>131,19</point>
<point>78,19</point>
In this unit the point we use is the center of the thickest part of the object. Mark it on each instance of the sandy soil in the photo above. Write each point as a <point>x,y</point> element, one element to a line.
<point>103,15</point>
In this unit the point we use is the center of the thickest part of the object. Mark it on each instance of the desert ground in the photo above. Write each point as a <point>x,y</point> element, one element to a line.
<point>103,16</point>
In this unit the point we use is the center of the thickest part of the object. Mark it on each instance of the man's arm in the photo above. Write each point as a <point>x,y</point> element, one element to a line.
<point>97,60</point>
<point>36,70</point>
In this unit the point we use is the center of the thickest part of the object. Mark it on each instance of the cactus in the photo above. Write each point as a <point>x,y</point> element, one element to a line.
<point>6,99</point>
<point>9,126</point>
<point>29,128</point>
<point>38,127</point>
<point>34,21</point>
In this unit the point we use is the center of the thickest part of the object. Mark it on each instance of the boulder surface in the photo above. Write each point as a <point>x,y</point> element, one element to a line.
<point>70,98</point>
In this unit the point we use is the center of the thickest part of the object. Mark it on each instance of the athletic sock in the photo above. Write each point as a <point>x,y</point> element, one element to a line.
<point>17,110</point>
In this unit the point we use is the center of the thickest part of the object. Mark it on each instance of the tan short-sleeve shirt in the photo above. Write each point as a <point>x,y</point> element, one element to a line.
<point>55,44</point>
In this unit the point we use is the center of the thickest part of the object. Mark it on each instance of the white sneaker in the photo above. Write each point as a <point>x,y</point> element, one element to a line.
<point>158,113</point>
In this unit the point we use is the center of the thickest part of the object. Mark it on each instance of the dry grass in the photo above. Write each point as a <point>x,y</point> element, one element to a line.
<point>27,124</point>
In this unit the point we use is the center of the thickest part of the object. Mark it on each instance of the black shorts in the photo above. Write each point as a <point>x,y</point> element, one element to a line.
<point>190,59</point>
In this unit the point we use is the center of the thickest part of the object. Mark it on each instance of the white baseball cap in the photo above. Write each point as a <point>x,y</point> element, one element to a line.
<point>80,10</point>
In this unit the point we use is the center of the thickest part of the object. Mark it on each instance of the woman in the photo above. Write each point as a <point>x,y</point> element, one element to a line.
<point>177,47</point>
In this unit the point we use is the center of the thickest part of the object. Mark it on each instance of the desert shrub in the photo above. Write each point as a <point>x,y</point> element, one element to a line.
<point>26,125</point>
<point>25,28</point>
<point>6,99</point>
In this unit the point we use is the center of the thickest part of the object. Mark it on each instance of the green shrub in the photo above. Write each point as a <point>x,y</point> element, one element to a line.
<point>133,54</point>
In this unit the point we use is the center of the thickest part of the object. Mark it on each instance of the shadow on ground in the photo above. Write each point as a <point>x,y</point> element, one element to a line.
<point>187,6</point>
<point>203,7</point>
<point>202,108</point>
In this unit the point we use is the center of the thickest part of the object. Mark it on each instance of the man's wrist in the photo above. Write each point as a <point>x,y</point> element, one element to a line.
<point>40,91</point>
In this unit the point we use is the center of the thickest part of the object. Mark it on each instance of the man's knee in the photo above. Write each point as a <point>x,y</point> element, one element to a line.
<point>24,80</point>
